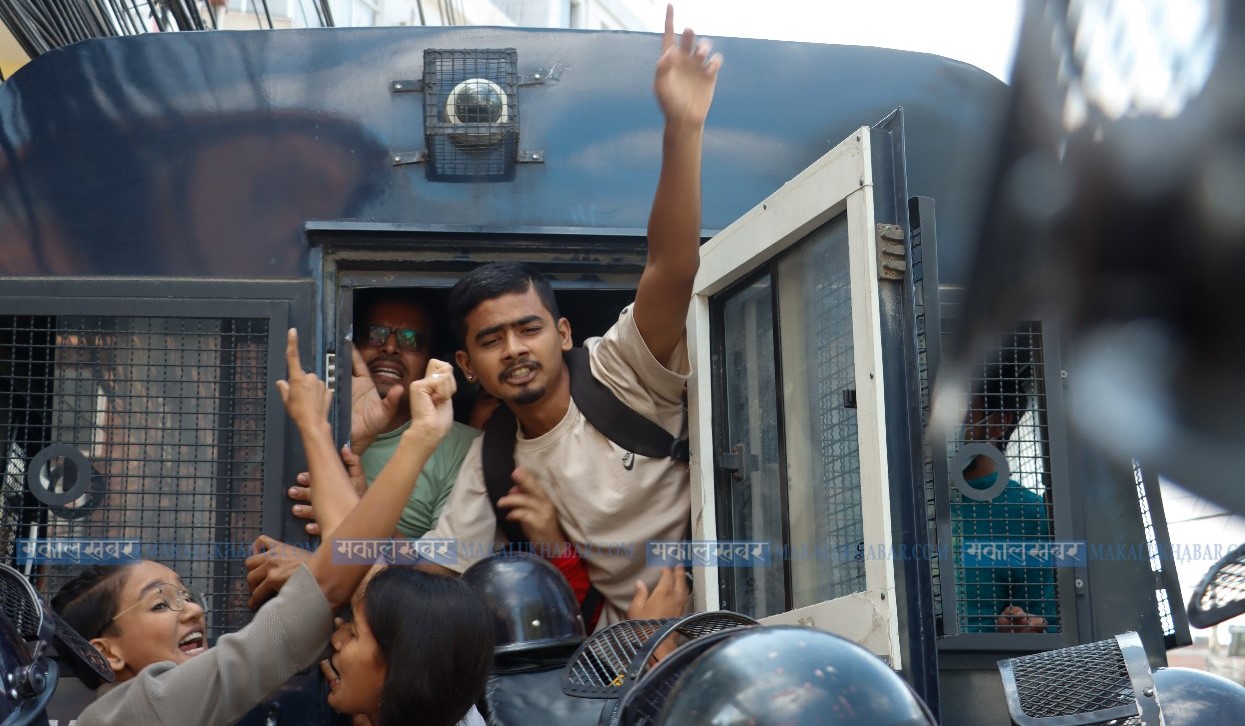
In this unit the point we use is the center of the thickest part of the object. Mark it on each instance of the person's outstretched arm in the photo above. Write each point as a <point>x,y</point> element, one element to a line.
<point>376,514</point>
<point>684,83</point>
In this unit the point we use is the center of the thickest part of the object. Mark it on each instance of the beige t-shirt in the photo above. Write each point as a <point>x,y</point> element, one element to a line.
<point>610,502</point>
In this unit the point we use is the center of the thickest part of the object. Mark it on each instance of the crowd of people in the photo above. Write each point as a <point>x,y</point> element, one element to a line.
<point>411,471</point>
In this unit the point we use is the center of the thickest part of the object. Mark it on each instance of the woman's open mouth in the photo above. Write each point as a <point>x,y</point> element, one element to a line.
<point>192,643</point>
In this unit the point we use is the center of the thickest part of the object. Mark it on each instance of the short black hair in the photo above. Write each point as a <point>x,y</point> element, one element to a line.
<point>436,638</point>
<point>367,298</point>
<point>1007,379</point>
<point>89,601</point>
<point>493,280</point>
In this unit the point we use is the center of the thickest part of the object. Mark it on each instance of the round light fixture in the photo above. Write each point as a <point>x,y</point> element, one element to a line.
<point>481,104</point>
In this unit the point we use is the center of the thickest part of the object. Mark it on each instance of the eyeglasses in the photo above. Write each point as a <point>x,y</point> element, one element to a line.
<point>409,340</point>
<point>173,597</point>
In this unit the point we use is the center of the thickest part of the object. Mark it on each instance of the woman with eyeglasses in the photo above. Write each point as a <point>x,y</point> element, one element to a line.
<point>150,628</point>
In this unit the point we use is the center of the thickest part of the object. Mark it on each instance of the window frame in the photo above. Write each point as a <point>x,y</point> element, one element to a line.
<point>844,176</point>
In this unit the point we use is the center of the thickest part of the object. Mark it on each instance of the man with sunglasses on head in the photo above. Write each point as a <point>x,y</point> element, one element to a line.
<point>394,333</point>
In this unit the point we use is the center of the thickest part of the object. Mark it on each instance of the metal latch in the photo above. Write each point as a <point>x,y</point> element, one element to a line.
<point>330,371</point>
<point>892,261</point>
<point>732,461</point>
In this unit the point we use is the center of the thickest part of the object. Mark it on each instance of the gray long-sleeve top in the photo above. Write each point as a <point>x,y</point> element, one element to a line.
<point>220,685</point>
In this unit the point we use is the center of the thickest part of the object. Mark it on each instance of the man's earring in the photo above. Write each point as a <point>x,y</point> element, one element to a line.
<point>470,378</point>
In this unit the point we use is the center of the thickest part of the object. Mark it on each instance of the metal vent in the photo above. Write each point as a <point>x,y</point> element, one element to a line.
<point>147,430</point>
<point>1095,683</point>
<point>599,667</point>
<point>610,662</point>
<point>471,114</point>
<point>21,606</point>
<point>1221,593</point>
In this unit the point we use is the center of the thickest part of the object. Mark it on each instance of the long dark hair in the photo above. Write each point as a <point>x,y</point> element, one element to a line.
<point>436,638</point>
<point>491,281</point>
<point>88,602</point>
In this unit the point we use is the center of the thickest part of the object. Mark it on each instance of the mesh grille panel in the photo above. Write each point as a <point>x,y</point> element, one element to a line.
<point>618,657</point>
<point>1152,547</point>
<point>166,413</point>
<point>18,607</point>
<point>837,499</point>
<point>471,113</point>
<point>924,317</point>
<point>598,668</point>
<point>1009,401</point>
<point>1071,681</point>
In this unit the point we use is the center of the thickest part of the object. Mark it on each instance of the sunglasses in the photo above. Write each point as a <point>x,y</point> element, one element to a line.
<point>173,597</point>
<point>408,339</point>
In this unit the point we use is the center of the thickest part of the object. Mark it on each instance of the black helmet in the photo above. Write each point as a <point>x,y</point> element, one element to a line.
<point>791,675</point>
<point>29,676</point>
<point>1191,698</point>
<point>534,609</point>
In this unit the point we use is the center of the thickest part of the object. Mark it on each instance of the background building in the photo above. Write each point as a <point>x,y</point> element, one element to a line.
<point>254,14</point>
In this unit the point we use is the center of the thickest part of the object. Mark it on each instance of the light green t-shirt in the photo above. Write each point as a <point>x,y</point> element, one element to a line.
<point>435,481</point>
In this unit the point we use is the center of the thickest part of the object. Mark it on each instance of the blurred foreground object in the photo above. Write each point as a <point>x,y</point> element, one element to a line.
<point>791,676</point>
<point>1119,208</point>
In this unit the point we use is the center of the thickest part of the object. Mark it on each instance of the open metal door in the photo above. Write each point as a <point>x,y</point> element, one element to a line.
<point>788,417</point>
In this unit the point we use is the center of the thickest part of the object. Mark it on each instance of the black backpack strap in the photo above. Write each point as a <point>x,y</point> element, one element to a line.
<point>616,420</point>
<point>497,455</point>
<point>593,600</point>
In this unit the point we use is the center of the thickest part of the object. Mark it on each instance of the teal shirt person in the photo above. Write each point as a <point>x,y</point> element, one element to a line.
<point>1017,514</point>
<point>435,481</point>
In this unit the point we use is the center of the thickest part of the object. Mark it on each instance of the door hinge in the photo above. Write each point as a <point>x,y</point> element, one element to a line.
<point>330,371</point>
<point>892,259</point>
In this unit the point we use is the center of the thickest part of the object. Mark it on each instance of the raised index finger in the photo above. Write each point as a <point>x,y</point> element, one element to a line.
<point>293,363</point>
<point>667,39</point>
<point>357,367</point>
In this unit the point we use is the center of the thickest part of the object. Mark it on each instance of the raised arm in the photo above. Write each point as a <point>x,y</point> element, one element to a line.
<point>376,514</point>
<point>684,83</point>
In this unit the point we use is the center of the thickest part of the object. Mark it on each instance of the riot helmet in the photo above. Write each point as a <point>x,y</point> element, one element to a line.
<point>533,607</point>
<point>1190,697</point>
<point>791,675</point>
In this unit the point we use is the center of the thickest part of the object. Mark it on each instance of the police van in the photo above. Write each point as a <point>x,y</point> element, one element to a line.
<point>170,204</point>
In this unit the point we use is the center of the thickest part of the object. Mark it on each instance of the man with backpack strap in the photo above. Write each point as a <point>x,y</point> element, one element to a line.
<point>609,501</point>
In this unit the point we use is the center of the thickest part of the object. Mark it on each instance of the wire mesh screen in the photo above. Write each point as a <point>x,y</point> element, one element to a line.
<point>1152,548</point>
<point>925,318</point>
<point>1000,491</point>
<point>19,606</point>
<point>598,669</point>
<point>142,430</point>
<point>790,420</point>
<point>1080,681</point>
<point>471,113</point>
<point>827,548</point>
